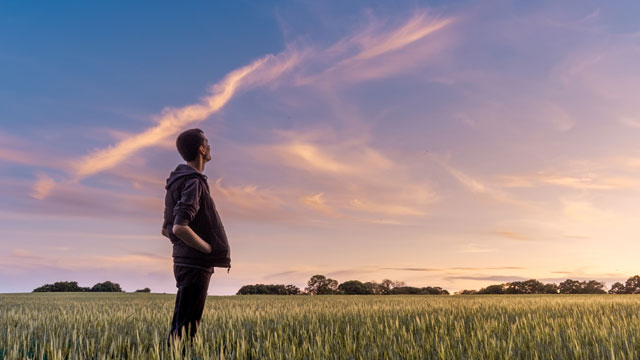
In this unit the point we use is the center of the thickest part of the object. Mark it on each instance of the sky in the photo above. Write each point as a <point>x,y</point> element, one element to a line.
<point>443,143</point>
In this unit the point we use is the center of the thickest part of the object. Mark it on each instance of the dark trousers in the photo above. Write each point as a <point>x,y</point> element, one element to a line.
<point>192,284</point>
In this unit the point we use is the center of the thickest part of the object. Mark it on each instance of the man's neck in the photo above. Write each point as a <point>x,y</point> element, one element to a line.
<point>197,164</point>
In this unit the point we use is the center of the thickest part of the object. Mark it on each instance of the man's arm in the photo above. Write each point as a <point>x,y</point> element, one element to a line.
<point>165,233</point>
<point>186,234</point>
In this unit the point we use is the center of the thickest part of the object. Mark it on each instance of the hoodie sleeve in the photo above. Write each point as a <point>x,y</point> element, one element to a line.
<point>189,203</point>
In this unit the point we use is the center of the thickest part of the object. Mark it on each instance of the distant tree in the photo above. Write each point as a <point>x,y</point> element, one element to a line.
<point>593,287</point>
<point>618,288</point>
<point>581,287</point>
<point>531,286</point>
<point>61,286</point>
<point>406,290</point>
<point>246,290</point>
<point>549,289</point>
<point>270,289</point>
<point>375,288</point>
<point>388,284</point>
<point>570,287</point>
<point>145,290</point>
<point>632,285</point>
<point>293,290</point>
<point>321,285</point>
<point>493,289</point>
<point>467,292</point>
<point>106,286</point>
<point>354,287</point>
<point>436,290</point>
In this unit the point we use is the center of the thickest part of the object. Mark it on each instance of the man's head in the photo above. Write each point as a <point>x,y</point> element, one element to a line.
<point>192,144</point>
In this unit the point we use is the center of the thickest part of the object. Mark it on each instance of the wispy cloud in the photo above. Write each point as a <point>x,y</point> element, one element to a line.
<point>173,120</point>
<point>348,177</point>
<point>23,259</point>
<point>380,50</point>
<point>374,44</point>
<point>513,235</point>
<point>500,278</point>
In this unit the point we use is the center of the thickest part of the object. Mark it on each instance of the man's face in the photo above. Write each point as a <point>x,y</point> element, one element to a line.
<point>207,148</point>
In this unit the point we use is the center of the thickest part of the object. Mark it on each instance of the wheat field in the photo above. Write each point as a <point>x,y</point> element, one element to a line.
<point>135,326</point>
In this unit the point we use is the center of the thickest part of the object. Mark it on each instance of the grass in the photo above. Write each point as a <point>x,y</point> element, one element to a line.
<point>135,326</point>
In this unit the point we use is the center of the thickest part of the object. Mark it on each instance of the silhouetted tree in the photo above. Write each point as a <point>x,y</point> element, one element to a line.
<point>387,284</point>
<point>354,287</point>
<point>581,287</point>
<point>61,286</point>
<point>593,287</point>
<point>436,290</point>
<point>320,285</point>
<point>263,289</point>
<point>293,290</point>
<point>549,289</point>
<point>145,290</point>
<point>375,288</point>
<point>467,292</point>
<point>618,288</point>
<point>570,287</point>
<point>632,285</point>
<point>106,286</point>
<point>493,289</point>
<point>406,290</point>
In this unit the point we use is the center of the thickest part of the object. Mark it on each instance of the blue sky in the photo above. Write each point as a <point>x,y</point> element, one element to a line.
<point>452,144</point>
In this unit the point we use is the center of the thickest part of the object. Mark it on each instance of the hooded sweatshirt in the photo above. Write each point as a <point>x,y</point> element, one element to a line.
<point>188,202</point>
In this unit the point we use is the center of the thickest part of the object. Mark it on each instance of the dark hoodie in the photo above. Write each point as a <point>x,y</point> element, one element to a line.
<point>188,202</point>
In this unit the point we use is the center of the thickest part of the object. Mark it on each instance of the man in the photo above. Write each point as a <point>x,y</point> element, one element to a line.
<point>194,227</point>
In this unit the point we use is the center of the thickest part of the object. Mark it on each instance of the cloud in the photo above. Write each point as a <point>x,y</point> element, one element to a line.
<point>475,248</point>
<point>308,156</point>
<point>42,187</point>
<point>349,179</point>
<point>590,181</point>
<point>455,268</point>
<point>585,212</point>
<point>631,122</point>
<point>379,50</point>
<point>373,45</point>
<point>70,200</point>
<point>28,260</point>
<point>513,235</point>
<point>17,150</point>
<point>500,278</point>
<point>173,120</point>
<point>474,185</point>
<point>250,202</point>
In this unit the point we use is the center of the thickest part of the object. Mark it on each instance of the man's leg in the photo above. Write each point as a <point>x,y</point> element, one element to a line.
<point>192,284</point>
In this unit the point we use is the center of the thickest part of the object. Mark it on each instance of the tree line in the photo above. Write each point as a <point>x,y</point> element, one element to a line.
<point>569,286</point>
<point>321,285</point>
<point>72,286</point>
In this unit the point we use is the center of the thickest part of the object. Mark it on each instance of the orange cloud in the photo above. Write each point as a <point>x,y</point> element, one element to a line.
<point>42,187</point>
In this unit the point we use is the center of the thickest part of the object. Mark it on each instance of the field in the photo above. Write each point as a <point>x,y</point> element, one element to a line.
<point>132,326</point>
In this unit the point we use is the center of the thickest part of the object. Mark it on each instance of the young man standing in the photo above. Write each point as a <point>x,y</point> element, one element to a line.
<point>194,227</point>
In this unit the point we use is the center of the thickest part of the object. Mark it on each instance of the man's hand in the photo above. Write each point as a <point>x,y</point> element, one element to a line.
<point>186,234</point>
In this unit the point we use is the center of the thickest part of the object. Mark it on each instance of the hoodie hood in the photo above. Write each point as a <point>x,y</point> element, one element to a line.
<point>180,172</point>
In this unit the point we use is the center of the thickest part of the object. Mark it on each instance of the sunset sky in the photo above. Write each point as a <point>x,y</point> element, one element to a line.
<point>445,143</point>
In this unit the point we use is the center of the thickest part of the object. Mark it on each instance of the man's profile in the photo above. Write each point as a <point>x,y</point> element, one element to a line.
<point>194,227</point>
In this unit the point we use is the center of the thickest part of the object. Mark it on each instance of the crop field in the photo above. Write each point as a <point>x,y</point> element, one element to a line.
<point>135,326</point>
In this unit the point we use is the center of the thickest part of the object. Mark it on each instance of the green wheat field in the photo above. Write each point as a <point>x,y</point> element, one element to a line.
<point>135,326</point>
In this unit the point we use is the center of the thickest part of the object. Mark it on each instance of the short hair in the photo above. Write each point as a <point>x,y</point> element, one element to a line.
<point>188,143</point>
